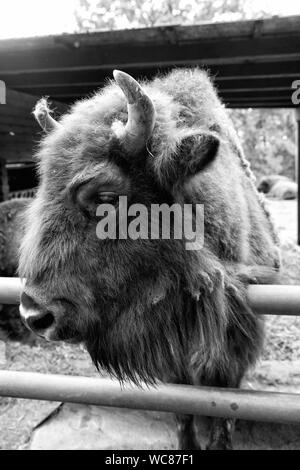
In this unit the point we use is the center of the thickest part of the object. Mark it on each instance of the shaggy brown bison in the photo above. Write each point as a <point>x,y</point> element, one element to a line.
<point>278,187</point>
<point>148,309</point>
<point>10,234</point>
<point>266,183</point>
<point>11,212</point>
<point>284,190</point>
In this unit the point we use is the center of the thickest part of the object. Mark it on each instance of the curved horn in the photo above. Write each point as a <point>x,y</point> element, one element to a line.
<point>42,115</point>
<point>141,113</point>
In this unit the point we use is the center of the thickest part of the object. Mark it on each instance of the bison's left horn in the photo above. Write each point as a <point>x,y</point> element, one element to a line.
<point>42,115</point>
<point>141,113</point>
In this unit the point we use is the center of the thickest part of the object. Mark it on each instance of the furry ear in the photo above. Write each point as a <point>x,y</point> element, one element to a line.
<point>195,151</point>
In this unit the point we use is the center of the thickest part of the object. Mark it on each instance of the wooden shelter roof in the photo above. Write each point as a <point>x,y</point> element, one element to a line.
<point>254,62</point>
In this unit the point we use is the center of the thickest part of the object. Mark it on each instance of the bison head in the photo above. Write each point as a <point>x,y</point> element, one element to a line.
<point>125,299</point>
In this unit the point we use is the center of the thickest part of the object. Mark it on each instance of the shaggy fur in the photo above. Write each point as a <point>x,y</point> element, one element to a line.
<point>284,190</point>
<point>149,310</point>
<point>11,212</point>
<point>278,187</point>
<point>10,234</point>
<point>267,182</point>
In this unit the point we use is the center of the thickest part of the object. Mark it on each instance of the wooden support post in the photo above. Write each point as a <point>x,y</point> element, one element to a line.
<point>4,188</point>
<point>297,114</point>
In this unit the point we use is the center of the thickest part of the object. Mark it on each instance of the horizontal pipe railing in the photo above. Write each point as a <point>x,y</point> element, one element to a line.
<point>274,300</point>
<point>264,299</point>
<point>181,399</point>
<point>10,290</point>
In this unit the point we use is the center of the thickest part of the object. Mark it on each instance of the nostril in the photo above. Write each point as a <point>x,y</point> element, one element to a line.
<point>27,301</point>
<point>41,323</point>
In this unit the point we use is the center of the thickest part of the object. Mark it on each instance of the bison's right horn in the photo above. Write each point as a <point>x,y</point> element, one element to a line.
<point>141,113</point>
<point>42,115</point>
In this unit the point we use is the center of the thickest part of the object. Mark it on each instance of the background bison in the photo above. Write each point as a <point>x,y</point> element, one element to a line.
<point>147,309</point>
<point>10,234</point>
<point>11,326</point>
<point>278,187</point>
<point>284,190</point>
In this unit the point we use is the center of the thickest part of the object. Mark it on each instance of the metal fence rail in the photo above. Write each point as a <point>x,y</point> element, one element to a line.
<point>27,193</point>
<point>264,299</point>
<point>207,401</point>
<point>10,289</point>
<point>182,399</point>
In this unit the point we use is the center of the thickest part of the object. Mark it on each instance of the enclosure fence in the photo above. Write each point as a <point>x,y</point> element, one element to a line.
<point>185,399</point>
<point>27,193</point>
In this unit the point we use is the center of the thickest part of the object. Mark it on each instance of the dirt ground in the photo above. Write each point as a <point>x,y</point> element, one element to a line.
<point>282,333</point>
<point>278,368</point>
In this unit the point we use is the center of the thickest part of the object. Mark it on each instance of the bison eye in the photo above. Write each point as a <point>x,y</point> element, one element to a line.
<point>89,197</point>
<point>107,198</point>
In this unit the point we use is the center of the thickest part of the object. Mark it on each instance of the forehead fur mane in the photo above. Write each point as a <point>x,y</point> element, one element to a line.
<point>88,129</point>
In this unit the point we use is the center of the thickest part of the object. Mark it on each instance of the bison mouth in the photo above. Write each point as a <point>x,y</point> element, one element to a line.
<point>62,334</point>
